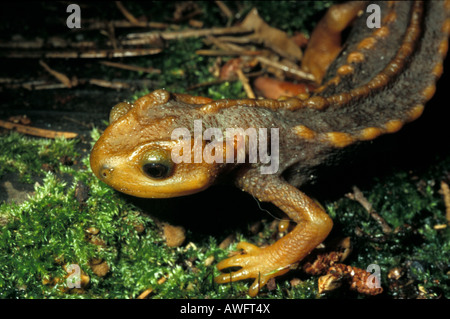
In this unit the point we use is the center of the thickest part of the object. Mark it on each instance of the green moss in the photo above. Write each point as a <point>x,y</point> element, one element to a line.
<point>27,155</point>
<point>411,204</point>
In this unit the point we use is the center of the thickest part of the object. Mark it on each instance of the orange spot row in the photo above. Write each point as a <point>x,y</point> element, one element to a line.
<point>345,69</point>
<point>390,17</point>
<point>304,132</point>
<point>367,43</point>
<point>415,112</point>
<point>443,47</point>
<point>381,32</point>
<point>370,133</point>
<point>429,91</point>
<point>446,25</point>
<point>355,57</point>
<point>338,139</point>
<point>342,139</point>
<point>317,102</point>
<point>393,126</point>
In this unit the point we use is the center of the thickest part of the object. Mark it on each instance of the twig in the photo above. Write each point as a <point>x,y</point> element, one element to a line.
<point>127,13</point>
<point>245,83</point>
<point>220,81</point>
<point>150,290</point>
<point>241,39</point>
<point>45,85</point>
<point>225,10</point>
<point>93,24</point>
<point>155,41</point>
<point>38,43</point>
<point>32,85</point>
<point>30,44</point>
<point>359,197</point>
<point>224,52</point>
<point>40,85</point>
<point>111,34</point>
<point>446,193</point>
<point>59,43</point>
<point>109,84</point>
<point>93,54</point>
<point>59,76</point>
<point>30,130</point>
<point>296,72</point>
<point>226,48</point>
<point>189,33</point>
<point>373,238</point>
<point>145,294</point>
<point>89,126</point>
<point>130,67</point>
<point>224,45</point>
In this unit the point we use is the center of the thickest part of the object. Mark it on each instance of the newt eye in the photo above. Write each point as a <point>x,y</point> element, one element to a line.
<point>156,170</point>
<point>157,164</point>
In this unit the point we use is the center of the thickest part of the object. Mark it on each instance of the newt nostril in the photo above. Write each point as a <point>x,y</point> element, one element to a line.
<point>105,171</point>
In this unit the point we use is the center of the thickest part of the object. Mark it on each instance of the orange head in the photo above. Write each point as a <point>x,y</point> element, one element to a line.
<point>134,154</point>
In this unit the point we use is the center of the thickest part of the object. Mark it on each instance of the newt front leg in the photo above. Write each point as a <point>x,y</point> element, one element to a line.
<point>313,226</point>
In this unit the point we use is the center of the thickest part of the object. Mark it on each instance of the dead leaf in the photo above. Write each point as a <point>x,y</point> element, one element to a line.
<point>272,38</point>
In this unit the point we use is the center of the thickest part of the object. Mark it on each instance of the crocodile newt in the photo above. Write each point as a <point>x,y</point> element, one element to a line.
<point>373,84</point>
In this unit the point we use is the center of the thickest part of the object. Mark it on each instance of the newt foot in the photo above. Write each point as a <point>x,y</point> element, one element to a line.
<point>255,262</point>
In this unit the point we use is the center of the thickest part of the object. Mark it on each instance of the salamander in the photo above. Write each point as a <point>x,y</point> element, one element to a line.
<point>373,84</point>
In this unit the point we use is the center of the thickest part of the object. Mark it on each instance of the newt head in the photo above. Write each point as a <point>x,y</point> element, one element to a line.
<point>134,154</point>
